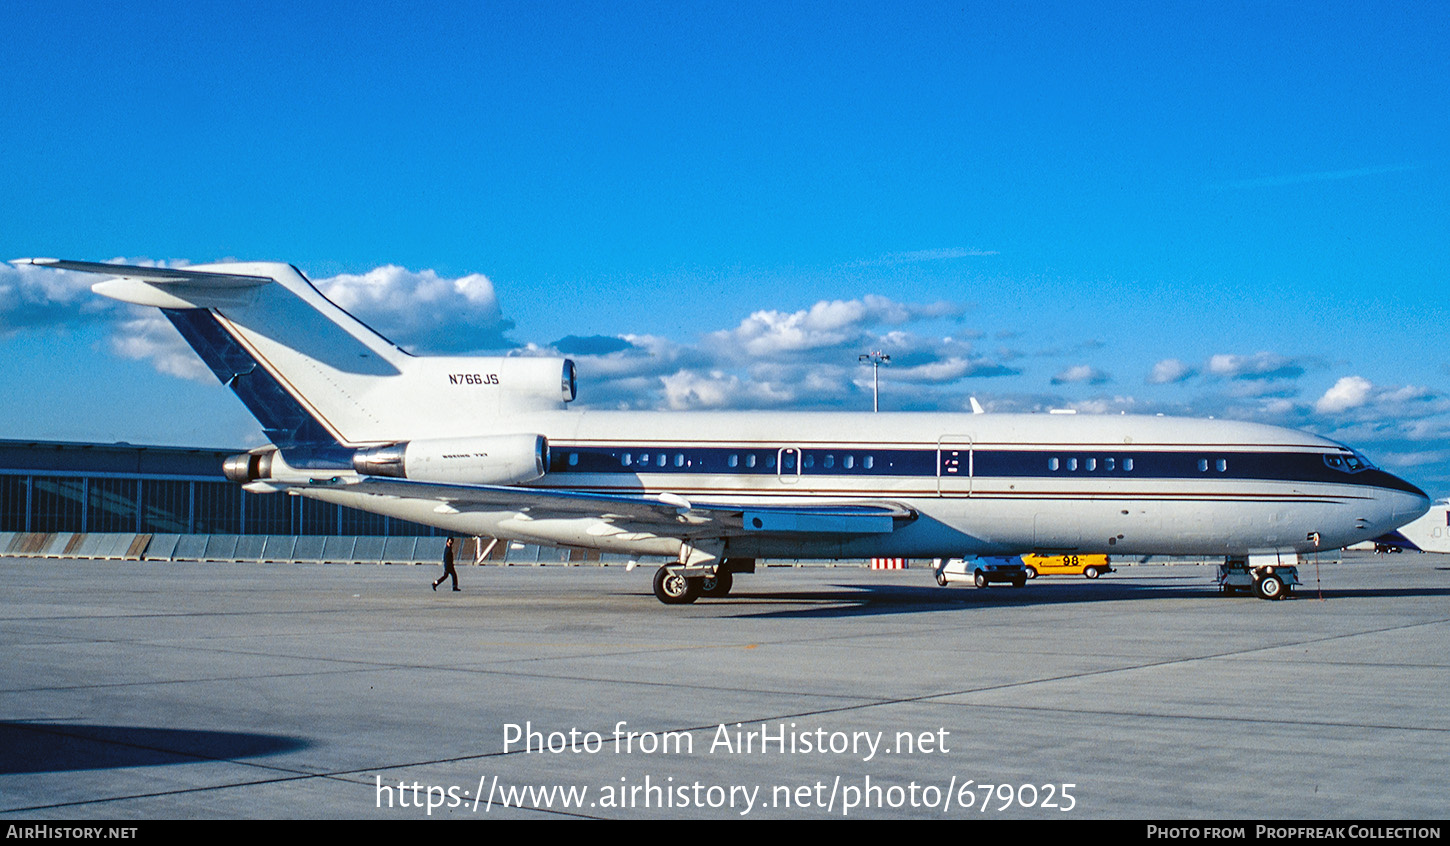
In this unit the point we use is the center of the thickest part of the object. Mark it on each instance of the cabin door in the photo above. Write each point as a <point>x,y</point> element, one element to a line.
<point>954,465</point>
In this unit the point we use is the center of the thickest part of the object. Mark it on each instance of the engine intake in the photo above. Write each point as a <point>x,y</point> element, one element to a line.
<point>489,460</point>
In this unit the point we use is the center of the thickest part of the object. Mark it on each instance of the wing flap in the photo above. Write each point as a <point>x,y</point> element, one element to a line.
<point>662,512</point>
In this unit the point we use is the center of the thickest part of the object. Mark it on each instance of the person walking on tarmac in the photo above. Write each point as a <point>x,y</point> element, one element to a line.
<point>447,565</point>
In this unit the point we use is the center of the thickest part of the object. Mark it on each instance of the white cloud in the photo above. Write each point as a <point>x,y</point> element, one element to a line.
<point>422,309</point>
<point>150,336</point>
<point>687,390</point>
<point>1349,392</point>
<point>1081,373</point>
<point>1170,370</point>
<point>38,298</point>
<point>1263,365</point>
<point>828,323</point>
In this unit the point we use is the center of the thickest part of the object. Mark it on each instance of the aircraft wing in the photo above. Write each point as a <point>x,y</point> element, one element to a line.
<point>660,513</point>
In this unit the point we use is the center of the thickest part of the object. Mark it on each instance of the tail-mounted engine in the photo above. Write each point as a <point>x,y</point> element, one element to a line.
<point>489,460</point>
<point>250,466</point>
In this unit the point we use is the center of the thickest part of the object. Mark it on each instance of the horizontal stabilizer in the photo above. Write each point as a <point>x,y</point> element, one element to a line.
<point>163,287</point>
<point>154,275</point>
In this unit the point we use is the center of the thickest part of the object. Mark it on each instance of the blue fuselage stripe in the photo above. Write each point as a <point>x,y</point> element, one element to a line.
<point>1064,463</point>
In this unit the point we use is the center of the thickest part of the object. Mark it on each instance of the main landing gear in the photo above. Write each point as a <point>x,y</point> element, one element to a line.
<point>673,586</point>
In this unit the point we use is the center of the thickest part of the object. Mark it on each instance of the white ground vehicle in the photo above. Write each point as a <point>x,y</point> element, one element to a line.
<point>982,571</point>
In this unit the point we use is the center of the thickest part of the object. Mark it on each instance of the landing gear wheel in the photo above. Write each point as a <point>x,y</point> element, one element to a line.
<point>717,585</point>
<point>1031,572</point>
<point>674,588</point>
<point>980,579</point>
<point>1270,587</point>
<point>1091,572</point>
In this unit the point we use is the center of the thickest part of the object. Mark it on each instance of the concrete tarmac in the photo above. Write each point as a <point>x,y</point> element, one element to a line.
<point>136,690</point>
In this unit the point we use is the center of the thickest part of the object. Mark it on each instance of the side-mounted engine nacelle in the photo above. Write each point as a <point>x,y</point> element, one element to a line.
<point>489,460</point>
<point>250,466</point>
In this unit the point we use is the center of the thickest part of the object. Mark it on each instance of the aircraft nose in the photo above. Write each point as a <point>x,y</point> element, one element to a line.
<point>1392,502</point>
<point>1414,504</point>
<point>1408,501</point>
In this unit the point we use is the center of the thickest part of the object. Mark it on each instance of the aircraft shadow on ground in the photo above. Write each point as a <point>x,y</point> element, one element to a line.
<point>868,600</point>
<point>40,747</point>
<point>871,600</point>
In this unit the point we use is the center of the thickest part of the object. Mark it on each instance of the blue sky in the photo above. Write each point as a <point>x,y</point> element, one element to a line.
<point>1236,210</point>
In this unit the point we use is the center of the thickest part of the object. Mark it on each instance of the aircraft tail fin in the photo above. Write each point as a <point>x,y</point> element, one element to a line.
<point>321,382</point>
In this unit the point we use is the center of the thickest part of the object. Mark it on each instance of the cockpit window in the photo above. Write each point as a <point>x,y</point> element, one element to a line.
<point>1348,462</point>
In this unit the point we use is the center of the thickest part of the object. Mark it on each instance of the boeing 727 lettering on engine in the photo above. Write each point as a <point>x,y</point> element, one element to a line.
<point>489,446</point>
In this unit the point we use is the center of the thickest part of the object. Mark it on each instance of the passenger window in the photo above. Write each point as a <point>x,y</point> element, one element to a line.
<point>829,461</point>
<point>1092,464</point>
<point>808,462</point>
<point>750,460</point>
<point>1127,465</point>
<point>848,461</point>
<point>1053,464</point>
<point>644,459</point>
<point>867,462</point>
<point>573,459</point>
<point>1072,465</point>
<point>1203,465</point>
<point>1221,465</point>
<point>734,461</point>
<point>679,459</point>
<point>626,459</point>
<point>1108,464</point>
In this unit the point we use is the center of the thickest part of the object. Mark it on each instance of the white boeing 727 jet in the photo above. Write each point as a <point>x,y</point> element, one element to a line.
<point>488,446</point>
